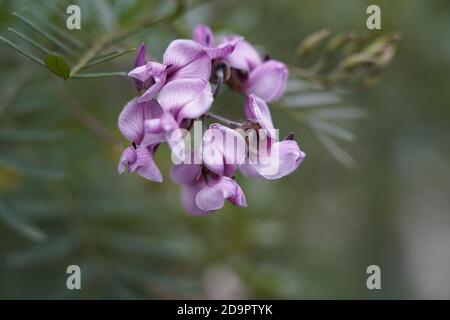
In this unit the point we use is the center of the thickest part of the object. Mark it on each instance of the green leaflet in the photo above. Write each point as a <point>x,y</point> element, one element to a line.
<point>58,65</point>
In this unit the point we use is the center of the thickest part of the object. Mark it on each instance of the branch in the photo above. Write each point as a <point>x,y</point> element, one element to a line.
<point>226,121</point>
<point>96,48</point>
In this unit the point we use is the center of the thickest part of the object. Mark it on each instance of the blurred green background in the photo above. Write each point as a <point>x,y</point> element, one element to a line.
<point>309,235</point>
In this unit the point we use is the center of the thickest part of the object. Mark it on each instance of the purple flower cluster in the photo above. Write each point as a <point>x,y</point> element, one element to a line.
<point>177,91</point>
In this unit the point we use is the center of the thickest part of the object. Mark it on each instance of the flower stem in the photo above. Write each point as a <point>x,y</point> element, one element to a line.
<point>219,77</point>
<point>226,121</point>
<point>86,58</point>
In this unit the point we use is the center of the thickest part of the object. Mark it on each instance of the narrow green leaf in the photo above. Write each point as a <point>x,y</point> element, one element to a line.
<point>108,57</point>
<point>301,86</point>
<point>330,129</point>
<point>340,113</point>
<point>19,224</point>
<point>55,28</point>
<point>336,151</point>
<point>103,55</point>
<point>20,50</point>
<point>41,30</point>
<point>105,14</point>
<point>99,75</point>
<point>311,99</point>
<point>29,40</point>
<point>51,6</point>
<point>58,66</point>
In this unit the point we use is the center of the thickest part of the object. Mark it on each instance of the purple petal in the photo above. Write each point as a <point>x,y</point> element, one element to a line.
<point>212,151</point>
<point>141,60</point>
<point>152,125</point>
<point>144,165</point>
<point>268,81</point>
<point>156,69</point>
<point>187,59</point>
<point>151,92</point>
<point>223,49</point>
<point>132,117</point>
<point>249,170</point>
<point>157,129</point>
<point>176,141</point>
<point>128,156</point>
<point>203,35</point>
<point>223,150</point>
<point>187,98</point>
<point>139,73</point>
<point>151,138</point>
<point>199,68</point>
<point>159,75</point>
<point>185,173</point>
<point>211,198</point>
<point>238,198</point>
<point>188,196</point>
<point>165,122</point>
<point>257,111</point>
<point>176,94</point>
<point>141,56</point>
<point>285,157</point>
<point>168,122</point>
<point>199,105</point>
<point>181,52</point>
<point>244,56</point>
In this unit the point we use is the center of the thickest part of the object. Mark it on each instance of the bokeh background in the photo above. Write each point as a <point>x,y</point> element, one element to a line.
<point>309,235</point>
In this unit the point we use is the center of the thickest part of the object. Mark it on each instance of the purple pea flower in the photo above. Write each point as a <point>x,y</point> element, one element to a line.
<point>206,186</point>
<point>141,60</point>
<point>177,91</point>
<point>223,150</point>
<point>180,100</point>
<point>139,157</point>
<point>203,191</point>
<point>267,79</point>
<point>203,35</point>
<point>280,157</point>
<point>245,57</point>
<point>183,59</point>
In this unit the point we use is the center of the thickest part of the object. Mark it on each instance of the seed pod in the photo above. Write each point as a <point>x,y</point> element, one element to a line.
<point>311,42</point>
